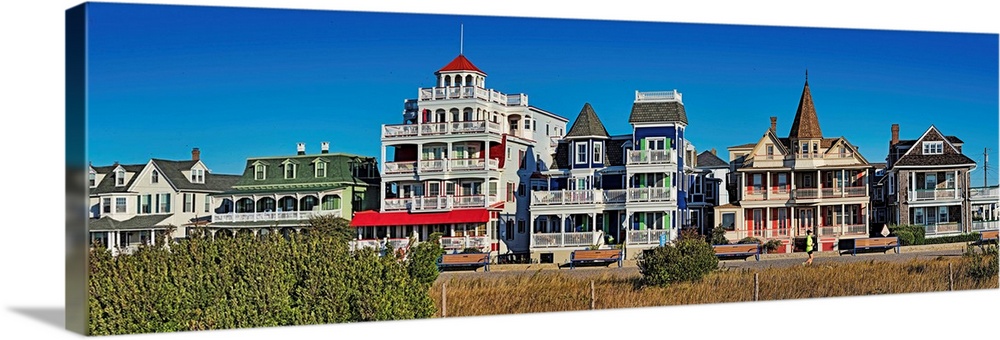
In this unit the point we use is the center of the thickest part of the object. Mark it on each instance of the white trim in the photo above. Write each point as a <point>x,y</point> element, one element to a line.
<point>576,153</point>
<point>597,152</point>
<point>933,166</point>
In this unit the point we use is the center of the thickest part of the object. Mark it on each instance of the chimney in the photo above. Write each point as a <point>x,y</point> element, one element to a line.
<point>774,124</point>
<point>713,151</point>
<point>302,148</point>
<point>325,147</point>
<point>195,154</point>
<point>895,134</point>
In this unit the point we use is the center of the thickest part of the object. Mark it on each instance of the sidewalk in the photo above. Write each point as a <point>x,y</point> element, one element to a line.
<point>764,257</point>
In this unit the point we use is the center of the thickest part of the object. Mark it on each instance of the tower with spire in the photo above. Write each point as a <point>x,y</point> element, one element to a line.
<point>785,186</point>
<point>461,163</point>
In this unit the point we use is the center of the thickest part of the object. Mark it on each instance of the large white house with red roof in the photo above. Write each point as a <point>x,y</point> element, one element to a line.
<point>461,164</point>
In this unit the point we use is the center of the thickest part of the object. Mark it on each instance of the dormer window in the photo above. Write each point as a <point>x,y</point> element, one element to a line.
<point>197,175</point>
<point>93,179</point>
<point>289,170</point>
<point>155,177</point>
<point>933,148</point>
<point>260,172</point>
<point>320,169</point>
<point>120,177</point>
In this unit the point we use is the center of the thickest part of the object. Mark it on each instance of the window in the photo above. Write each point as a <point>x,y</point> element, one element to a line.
<point>520,227</point>
<point>520,189</point>
<point>163,203</point>
<point>155,178</point>
<point>289,170</point>
<point>534,125</point>
<point>433,189</point>
<point>598,154</point>
<point>208,203</point>
<point>188,202</point>
<point>695,219</point>
<point>757,182</point>
<point>815,149</point>
<point>930,181</point>
<point>259,172</point>
<point>697,184</point>
<point>918,216</point>
<point>493,188</point>
<point>510,192</point>
<point>843,152</point>
<point>758,219</point>
<point>547,131</point>
<point>581,153</point>
<point>106,205</point>
<point>93,179</point>
<point>145,204</point>
<point>933,148</point>
<point>710,190</point>
<point>942,214</point>
<point>805,148</point>
<point>521,159</point>
<point>198,175</point>
<point>119,177</point>
<point>510,229</point>
<point>782,182</point>
<point>770,152</point>
<point>449,188</point>
<point>120,205</point>
<point>949,180</point>
<point>782,218</point>
<point>320,169</point>
<point>807,181</point>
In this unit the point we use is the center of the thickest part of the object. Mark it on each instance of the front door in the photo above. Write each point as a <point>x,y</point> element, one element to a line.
<point>807,218</point>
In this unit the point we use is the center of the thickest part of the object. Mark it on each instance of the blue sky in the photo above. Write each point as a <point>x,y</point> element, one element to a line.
<point>241,83</point>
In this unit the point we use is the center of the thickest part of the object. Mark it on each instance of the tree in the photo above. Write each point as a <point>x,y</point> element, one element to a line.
<point>336,227</point>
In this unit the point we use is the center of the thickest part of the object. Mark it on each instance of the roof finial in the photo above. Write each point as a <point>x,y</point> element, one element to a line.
<point>807,76</point>
<point>461,39</point>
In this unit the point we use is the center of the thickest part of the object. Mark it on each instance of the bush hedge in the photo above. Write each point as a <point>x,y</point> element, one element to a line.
<point>908,234</point>
<point>246,281</point>
<point>689,258</point>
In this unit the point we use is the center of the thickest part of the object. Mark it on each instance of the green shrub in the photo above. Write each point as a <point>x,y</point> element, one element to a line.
<point>983,265</point>
<point>718,236</point>
<point>905,237</point>
<point>687,259</point>
<point>771,245</point>
<point>245,281</point>
<point>916,233</point>
<point>970,237</point>
<point>748,240</point>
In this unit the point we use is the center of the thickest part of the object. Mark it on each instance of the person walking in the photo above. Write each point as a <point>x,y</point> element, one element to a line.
<point>809,248</point>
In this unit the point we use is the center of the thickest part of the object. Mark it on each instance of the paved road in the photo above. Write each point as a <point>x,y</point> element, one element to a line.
<point>629,269</point>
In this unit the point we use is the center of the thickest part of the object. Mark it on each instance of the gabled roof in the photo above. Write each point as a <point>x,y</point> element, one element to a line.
<point>950,154</point>
<point>707,159</point>
<point>460,63</point>
<point>658,112</point>
<point>172,170</point>
<point>587,124</point>
<point>806,123</point>
<point>107,184</point>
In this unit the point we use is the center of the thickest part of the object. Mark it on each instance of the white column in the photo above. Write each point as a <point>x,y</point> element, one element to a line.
<point>843,218</point>
<point>956,185</point>
<point>767,219</point>
<point>486,152</point>
<point>767,184</point>
<point>382,164</point>
<point>420,155</point>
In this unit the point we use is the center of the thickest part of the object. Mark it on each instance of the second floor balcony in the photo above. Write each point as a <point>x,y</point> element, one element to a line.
<point>934,194</point>
<point>985,193</point>
<point>441,165</point>
<point>577,197</point>
<point>643,157</point>
<point>274,216</point>
<point>440,129</point>
<point>437,203</point>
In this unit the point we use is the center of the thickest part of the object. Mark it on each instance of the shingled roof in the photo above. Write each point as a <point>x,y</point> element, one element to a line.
<point>950,155</point>
<point>339,172</point>
<point>657,112</point>
<point>461,63</point>
<point>587,124</point>
<point>138,222</point>
<point>173,171</point>
<point>107,184</point>
<point>707,159</point>
<point>806,123</point>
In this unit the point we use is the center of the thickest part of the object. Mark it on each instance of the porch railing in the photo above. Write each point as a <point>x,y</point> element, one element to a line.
<point>648,236</point>
<point>555,240</point>
<point>651,194</point>
<point>462,242</point>
<point>985,225</point>
<point>932,194</point>
<point>638,157</point>
<point>805,193</point>
<point>984,193</point>
<point>943,228</point>
<point>274,216</point>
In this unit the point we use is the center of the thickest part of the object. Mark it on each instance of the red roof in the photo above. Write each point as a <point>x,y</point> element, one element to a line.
<point>460,63</point>
<point>373,218</point>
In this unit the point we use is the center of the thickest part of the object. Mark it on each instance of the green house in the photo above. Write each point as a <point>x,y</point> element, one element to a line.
<point>281,193</point>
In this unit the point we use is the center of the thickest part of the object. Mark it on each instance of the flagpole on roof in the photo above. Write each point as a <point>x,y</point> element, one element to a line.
<point>461,38</point>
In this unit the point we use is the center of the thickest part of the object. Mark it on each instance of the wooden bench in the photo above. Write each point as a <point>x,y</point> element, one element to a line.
<point>608,256</point>
<point>873,243</point>
<point>988,236</point>
<point>744,250</point>
<point>464,260</point>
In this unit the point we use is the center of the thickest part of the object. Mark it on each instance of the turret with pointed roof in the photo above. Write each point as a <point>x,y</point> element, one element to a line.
<point>460,63</point>
<point>587,125</point>
<point>806,123</point>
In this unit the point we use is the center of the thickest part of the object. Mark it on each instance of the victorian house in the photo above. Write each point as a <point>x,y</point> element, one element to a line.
<point>282,193</point>
<point>929,184</point>
<point>461,164</point>
<point>607,190</point>
<point>707,190</point>
<point>785,186</point>
<point>146,204</point>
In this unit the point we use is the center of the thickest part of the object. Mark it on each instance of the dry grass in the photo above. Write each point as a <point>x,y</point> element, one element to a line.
<point>552,291</point>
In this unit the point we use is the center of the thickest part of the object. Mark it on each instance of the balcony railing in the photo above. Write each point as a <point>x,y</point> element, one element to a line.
<point>943,228</point>
<point>932,194</point>
<point>638,157</point>
<point>462,242</point>
<point>470,92</point>
<point>441,165</point>
<point>651,194</point>
<point>984,193</point>
<point>571,197</point>
<point>985,225</point>
<point>555,240</point>
<point>432,203</point>
<point>432,129</point>
<point>805,193</point>
<point>651,96</point>
<point>400,167</point>
<point>273,216</point>
<point>648,236</point>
